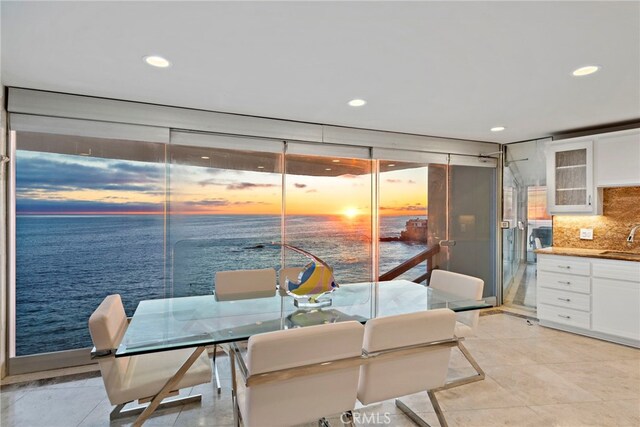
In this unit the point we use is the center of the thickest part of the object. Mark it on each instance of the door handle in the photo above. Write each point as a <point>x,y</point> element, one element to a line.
<point>447,242</point>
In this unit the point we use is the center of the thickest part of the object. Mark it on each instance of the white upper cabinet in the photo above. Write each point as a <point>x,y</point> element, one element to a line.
<point>570,186</point>
<point>617,159</point>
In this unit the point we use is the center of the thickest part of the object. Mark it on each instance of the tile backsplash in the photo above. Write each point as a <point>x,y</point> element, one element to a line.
<point>621,210</point>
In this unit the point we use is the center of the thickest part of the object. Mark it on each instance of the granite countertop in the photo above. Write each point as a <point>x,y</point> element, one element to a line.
<point>591,253</point>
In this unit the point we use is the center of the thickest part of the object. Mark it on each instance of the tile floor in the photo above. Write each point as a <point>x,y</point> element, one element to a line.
<point>535,377</point>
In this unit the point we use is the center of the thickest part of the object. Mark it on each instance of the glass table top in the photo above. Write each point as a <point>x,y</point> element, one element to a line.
<point>173,323</point>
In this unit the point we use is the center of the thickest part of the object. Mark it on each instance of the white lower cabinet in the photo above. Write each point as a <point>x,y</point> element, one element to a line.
<point>616,307</point>
<point>595,297</point>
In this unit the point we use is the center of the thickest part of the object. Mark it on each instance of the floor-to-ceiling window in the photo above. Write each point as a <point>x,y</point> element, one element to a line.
<point>328,208</point>
<point>96,215</point>
<point>404,251</point>
<point>224,208</point>
<point>88,223</point>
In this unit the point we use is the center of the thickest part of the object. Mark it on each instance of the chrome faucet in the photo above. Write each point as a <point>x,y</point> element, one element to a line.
<point>632,233</point>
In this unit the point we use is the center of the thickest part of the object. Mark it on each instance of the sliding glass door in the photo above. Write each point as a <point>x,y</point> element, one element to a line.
<point>88,223</point>
<point>224,207</point>
<point>328,208</point>
<point>462,217</point>
<point>404,214</point>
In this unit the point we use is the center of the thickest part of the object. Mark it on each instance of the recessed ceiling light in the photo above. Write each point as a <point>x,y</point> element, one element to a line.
<point>498,129</point>
<point>585,71</point>
<point>327,169</point>
<point>335,161</point>
<point>205,157</point>
<point>157,61</point>
<point>391,165</point>
<point>357,102</point>
<point>260,167</point>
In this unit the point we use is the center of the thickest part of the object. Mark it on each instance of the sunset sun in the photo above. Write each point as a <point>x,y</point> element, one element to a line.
<point>350,212</point>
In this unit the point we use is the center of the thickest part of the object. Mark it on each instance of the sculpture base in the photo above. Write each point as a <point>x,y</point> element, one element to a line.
<point>305,303</point>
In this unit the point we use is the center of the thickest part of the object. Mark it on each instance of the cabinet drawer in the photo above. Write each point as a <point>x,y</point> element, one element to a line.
<point>628,271</point>
<point>565,316</point>
<point>564,282</point>
<point>572,300</point>
<point>567,265</point>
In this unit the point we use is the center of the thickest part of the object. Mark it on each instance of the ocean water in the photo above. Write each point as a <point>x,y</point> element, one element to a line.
<point>66,265</point>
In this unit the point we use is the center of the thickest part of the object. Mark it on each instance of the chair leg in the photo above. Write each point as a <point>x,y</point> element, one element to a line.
<point>347,419</point>
<point>236,415</point>
<point>216,375</point>
<point>234,391</point>
<point>437,408</point>
<point>466,380</point>
<point>412,415</point>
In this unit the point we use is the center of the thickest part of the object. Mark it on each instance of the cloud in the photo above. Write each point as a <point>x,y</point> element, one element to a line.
<point>31,206</point>
<point>211,181</point>
<point>398,181</point>
<point>348,175</point>
<point>413,208</point>
<point>311,191</point>
<point>246,185</point>
<point>248,202</point>
<point>219,202</point>
<point>300,185</point>
<point>63,173</point>
<point>207,202</point>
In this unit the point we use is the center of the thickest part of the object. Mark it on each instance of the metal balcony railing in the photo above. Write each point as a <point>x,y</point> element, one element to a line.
<point>426,255</point>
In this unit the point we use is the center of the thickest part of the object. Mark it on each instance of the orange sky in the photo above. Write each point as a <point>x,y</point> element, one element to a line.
<point>102,186</point>
<point>401,193</point>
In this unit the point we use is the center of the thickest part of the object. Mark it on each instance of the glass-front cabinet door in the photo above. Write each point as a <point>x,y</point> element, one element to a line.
<point>570,177</point>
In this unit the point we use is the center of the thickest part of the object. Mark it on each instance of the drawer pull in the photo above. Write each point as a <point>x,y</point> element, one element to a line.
<point>564,266</point>
<point>565,299</point>
<point>564,317</point>
<point>564,282</point>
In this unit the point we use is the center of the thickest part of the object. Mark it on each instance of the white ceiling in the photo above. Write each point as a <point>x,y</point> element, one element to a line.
<point>451,69</point>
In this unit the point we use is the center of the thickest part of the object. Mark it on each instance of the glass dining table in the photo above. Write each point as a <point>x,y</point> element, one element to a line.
<point>200,321</point>
<point>174,323</point>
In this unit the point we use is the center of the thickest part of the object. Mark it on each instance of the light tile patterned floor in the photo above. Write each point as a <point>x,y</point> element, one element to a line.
<point>535,377</point>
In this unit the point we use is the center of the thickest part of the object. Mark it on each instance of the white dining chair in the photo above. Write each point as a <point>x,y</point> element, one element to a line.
<point>238,285</point>
<point>245,284</point>
<point>296,376</point>
<point>467,287</point>
<point>139,377</point>
<point>422,344</point>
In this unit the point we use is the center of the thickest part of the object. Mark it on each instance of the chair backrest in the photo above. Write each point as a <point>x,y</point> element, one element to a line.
<point>305,398</point>
<point>386,379</point>
<point>245,284</point>
<point>107,326</point>
<point>467,287</point>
